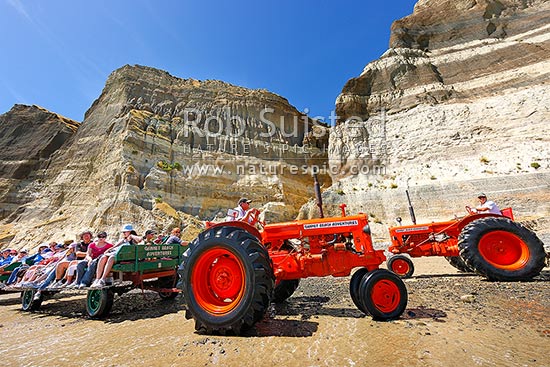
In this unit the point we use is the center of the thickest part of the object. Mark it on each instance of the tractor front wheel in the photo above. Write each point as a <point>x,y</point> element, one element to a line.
<point>227,280</point>
<point>354,284</point>
<point>383,294</point>
<point>284,289</point>
<point>459,264</point>
<point>501,249</point>
<point>401,265</point>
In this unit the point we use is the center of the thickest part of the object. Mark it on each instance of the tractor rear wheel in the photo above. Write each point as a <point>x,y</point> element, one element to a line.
<point>401,265</point>
<point>458,263</point>
<point>354,284</point>
<point>501,249</point>
<point>227,280</point>
<point>383,294</point>
<point>284,289</point>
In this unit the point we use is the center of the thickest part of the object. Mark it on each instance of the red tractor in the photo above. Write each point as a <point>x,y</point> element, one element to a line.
<point>232,271</point>
<point>492,245</point>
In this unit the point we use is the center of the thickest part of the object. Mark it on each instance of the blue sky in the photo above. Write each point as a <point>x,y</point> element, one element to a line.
<point>59,53</point>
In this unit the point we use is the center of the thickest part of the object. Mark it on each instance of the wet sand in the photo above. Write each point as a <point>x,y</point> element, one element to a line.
<point>495,324</point>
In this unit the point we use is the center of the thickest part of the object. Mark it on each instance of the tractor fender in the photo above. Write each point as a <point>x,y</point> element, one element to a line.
<point>240,224</point>
<point>470,218</point>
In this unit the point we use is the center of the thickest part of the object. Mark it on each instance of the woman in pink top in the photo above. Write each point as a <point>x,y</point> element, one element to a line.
<point>93,255</point>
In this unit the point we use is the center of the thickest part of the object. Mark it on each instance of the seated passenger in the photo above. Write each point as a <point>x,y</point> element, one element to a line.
<point>18,273</point>
<point>5,257</point>
<point>149,238</point>
<point>37,273</point>
<point>20,257</point>
<point>86,270</point>
<point>106,262</point>
<point>174,237</point>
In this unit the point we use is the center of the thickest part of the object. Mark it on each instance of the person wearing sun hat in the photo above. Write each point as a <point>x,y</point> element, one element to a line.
<point>106,262</point>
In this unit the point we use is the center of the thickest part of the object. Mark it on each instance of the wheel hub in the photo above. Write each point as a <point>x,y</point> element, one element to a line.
<point>503,250</point>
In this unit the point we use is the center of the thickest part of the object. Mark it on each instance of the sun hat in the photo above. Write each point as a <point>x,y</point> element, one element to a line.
<point>127,228</point>
<point>150,231</point>
<point>481,195</point>
<point>86,231</point>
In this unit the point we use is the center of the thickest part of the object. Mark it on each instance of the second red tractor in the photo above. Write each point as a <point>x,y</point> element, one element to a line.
<point>492,245</point>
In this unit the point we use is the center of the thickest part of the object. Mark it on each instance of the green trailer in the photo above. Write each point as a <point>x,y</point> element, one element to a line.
<point>146,267</point>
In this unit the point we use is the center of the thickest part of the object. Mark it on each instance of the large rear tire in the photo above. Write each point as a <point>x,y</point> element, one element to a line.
<point>401,265</point>
<point>284,289</point>
<point>227,280</point>
<point>501,249</point>
<point>458,263</point>
<point>383,294</point>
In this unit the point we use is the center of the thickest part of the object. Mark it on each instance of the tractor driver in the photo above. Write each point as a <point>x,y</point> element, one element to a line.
<point>242,208</point>
<point>486,206</point>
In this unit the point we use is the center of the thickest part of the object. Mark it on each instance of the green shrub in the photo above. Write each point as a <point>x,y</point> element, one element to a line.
<point>535,165</point>
<point>340,192</point>
<point>165,166</point>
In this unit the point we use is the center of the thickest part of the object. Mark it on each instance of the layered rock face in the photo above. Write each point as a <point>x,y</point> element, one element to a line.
<point>152,139</point>
<point>30,137</point>
<point>458,104</point>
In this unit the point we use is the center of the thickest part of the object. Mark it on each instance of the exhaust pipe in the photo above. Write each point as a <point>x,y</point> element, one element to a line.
<point>317,189</point>
<point>411,209</point>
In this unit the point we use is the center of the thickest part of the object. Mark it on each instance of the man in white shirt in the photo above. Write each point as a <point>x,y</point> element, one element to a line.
<point>240,211</point>
<point>487,206</point>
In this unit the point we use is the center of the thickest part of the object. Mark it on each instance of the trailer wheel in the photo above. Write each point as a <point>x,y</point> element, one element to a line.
<point>284,289</point>
<point>458,263</point>
<point>28,303</point>
<point>167,282</point>
<point>99,302</point>
<point>227,280</point>
<point>354,284</point>
<point>401,265</point>
<point>383,294</point>
<point>501,249</point>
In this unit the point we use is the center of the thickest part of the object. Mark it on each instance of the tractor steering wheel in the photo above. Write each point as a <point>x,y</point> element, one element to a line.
<point>252,217</point>
<point>470,210</point>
